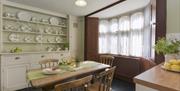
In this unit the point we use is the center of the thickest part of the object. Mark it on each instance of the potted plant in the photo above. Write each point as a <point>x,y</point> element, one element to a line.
<point>66,46</point>
<point>168,48</point>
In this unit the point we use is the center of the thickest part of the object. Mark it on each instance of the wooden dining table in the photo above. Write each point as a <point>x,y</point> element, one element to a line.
<point>40,80</point>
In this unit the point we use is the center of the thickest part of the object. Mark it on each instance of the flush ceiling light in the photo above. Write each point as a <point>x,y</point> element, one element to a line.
<point>81,3</point>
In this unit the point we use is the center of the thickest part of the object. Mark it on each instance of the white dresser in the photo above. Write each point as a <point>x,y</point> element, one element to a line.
<point>15,66</point>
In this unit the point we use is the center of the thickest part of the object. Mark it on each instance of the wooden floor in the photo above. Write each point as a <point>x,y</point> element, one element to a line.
<point>117,85</point>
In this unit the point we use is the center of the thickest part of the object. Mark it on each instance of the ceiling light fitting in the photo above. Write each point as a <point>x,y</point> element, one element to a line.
<point>81,3</point>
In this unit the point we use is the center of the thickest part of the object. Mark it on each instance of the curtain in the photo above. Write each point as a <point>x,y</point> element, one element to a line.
<point>126,35</point>
<point>137,24</point>
<point>123,35</point>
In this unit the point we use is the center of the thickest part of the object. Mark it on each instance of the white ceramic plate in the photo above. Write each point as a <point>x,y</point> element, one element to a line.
<point>54,21</point>
<point>168,69</point>
<point>50,40</point>
<point>25,16</point>
<point>27,39</point>
<point>14,37</point>
<point>26,28</point>
<point>41,30</point>
<point>39,38</point>
<point>58,39</point>
<point>49,71</point>
<point>48,30</point>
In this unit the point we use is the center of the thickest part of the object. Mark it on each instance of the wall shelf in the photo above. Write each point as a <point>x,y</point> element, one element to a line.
<point>41,23</point>
<point>36,33</point>
<point>9,42</point>
<point>32,29</point>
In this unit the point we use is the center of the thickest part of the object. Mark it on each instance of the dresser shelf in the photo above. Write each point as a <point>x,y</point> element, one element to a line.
<point>41,23</point>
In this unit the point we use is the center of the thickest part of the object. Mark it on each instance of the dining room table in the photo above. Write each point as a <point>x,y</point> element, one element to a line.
<point>38,79</point>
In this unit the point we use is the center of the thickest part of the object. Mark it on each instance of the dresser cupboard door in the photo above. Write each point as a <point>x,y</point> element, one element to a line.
<point>15,77</point>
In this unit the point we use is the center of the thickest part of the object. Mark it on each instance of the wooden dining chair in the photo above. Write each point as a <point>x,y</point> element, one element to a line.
<point>106,59</point>
<point>103,80</point>
<point>76,85</point>
<point>48,63</point>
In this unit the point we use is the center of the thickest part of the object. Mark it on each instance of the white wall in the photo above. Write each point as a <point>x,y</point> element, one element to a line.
<point>76,29</point>
<point>173,16</point>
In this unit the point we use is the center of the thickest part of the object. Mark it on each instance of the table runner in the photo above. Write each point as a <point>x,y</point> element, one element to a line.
<point>37,74</point>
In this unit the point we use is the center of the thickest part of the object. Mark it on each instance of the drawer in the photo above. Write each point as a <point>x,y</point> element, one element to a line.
<point>14,59</point>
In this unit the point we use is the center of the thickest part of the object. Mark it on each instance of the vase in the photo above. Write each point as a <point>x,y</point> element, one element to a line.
<point>171,56</point>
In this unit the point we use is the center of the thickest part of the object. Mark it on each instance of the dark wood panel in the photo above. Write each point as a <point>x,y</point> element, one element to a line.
<point>160,25</point>
<point>91,38</point>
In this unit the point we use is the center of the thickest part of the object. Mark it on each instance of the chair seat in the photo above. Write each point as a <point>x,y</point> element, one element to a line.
<point>98,87</point>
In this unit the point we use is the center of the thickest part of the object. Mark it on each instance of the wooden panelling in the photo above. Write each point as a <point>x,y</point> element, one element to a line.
<point>91,38</point>
<point>160,25</point>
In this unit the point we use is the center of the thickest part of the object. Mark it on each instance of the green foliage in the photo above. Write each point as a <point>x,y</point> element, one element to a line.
<point>167,47</point>
<point>66,45</point>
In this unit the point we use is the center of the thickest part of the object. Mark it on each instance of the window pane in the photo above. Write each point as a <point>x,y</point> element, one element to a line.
<point>103,26</point>
<point>137,21</point>
<point>114,25</point>
<point>113,44</point>
<point>124,23</point>
<point>103,44</point>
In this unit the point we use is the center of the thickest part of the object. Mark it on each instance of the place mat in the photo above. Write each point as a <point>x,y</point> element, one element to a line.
<point>37,74</point>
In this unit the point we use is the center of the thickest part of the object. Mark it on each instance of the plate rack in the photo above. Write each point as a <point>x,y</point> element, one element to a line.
<point>55,37</point>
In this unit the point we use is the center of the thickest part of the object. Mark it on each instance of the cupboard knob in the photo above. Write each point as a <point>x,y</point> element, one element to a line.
<point>16,58</point>
<point>42,56</point>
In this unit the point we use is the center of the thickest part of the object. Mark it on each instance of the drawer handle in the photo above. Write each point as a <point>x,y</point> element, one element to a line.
<point>61,54</point>
<point>42,56</point>
<point>16,58</point>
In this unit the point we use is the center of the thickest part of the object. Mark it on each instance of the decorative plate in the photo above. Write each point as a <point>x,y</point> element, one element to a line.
<point>34,19</point>
<point>49,49</point>
<point>26,28</point>
<point>50,71</point>
<point>49,40</point>
<point>58,49</point>
<point>48,30</point>
<point>24,16</point>
<point>39,38</point>
<point>14,37</point>
<point>45,21</point>
<point>41,30</point>
<point>58,39</point>
<point>54,21</point>
<point>27,39</point>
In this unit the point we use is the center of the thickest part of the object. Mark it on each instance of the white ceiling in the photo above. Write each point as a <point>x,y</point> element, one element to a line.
<point>121,8</point>
<point>67,6</point>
